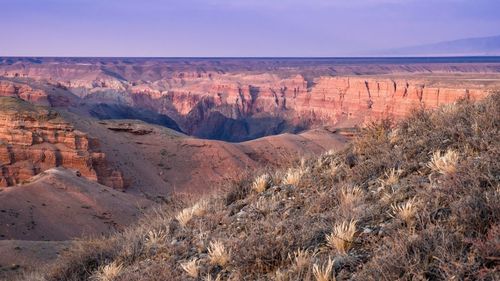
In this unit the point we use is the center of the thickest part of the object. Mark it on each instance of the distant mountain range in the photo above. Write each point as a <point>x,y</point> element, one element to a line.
<point>480,46</point>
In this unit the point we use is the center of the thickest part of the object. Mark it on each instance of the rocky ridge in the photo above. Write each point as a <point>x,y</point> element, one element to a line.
<point>34,139</point>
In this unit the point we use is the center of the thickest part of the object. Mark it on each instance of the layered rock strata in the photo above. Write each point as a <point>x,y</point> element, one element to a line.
<point>34,139</point>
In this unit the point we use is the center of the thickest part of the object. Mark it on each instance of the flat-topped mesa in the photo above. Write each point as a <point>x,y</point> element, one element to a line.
<point>34,139</point>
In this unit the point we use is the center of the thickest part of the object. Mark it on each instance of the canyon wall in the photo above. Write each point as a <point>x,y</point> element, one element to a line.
<point>34,139</point>
<point>23,91</point>
<point>238,100</point>
<point>285,104</point>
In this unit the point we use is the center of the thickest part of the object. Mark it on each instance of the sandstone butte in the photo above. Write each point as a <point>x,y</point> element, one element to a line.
<point>34,139</point>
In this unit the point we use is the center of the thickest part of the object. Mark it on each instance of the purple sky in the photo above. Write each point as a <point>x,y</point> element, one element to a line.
<point>236,27</point>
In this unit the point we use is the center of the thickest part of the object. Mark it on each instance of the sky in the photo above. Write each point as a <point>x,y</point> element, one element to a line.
<point>234,28</point>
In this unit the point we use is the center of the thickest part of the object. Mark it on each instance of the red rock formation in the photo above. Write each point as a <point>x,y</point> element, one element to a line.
<point>340,98</point>
<point>34,139</point>
<point>237,95</point>
<point>329,99</point>
<point>25,92</point>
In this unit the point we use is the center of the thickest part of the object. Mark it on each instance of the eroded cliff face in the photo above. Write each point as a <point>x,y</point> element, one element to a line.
<point>289,103</point>
<point>242,100</point>
<point>25,92</point>
<point>34,139</point>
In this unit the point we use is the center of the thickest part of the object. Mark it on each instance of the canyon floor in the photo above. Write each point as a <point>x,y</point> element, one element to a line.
<point>88,146</point>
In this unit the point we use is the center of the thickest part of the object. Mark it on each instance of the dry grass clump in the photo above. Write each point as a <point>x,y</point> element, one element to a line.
<point>293,176</point>
<point>301,259</point>
<point>210,278</point>
<point>191,267</point>
<point>446,163</point>
<point>108,272</point>
<point>405,211</point>
<point>155,239</point>
<point>391,177</point>
<point>200,208</point>
<point>184,216</point>
<point>351,196</point>
<point>218,254</point>
<point>261,183</point>
<point>325,272</point>
<point>342,236</point>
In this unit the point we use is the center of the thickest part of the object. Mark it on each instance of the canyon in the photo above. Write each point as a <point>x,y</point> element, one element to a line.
<point>89,144</point>
<point>237,100</point>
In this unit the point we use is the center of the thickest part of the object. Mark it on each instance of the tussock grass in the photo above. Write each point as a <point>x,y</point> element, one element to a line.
<point>210,278</point>
<point>191,267</point>
<point>391,177</point>
<point>446,163</point>
<point>449,203</point>
<point>293,176</point>
<point>184,216</point>
<point>325,272</point>
<point>155,239</point>
<point>108,272</point>
<point>301,259</point>
<point>351,196</point>
<point>405,211</point>
<point>342,236</point>
<point>261,183</point>
<point>200,208</point>
<point>218,254</point>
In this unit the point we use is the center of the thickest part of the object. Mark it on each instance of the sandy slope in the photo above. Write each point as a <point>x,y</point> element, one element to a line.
<point>156,161</point>
<point>19,255</point>
<point>58,205</point>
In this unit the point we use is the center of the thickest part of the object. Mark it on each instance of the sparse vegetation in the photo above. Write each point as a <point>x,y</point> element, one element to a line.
<point>444,163</point>
<point>218,254</point>
<point>342,236</point>
<point>405,211</point>
<point>184,216</point>
<point>293,176</point>
<point>108,272</point>
<point>451,202</point>
<point>261,183</point>
<point>191,267</point>
<point>325,272</point>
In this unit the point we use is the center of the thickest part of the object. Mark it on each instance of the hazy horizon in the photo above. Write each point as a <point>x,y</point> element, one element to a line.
<point>224,28</point>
